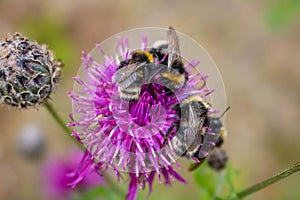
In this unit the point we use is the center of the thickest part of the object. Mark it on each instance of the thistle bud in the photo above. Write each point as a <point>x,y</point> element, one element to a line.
<point>28,72</point>
<point>217,159</point>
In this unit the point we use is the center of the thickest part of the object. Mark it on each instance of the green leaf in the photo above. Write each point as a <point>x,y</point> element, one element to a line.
<point>230,173</point>
<point>210,182</point>
<point>205,178</point>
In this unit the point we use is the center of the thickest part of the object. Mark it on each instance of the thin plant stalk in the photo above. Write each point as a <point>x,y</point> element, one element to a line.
<point>259,186</point>
<point>62,124</point>
<point>60,121</point>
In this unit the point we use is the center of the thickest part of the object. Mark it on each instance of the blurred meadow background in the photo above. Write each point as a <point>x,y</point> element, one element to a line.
<point>255,44</point>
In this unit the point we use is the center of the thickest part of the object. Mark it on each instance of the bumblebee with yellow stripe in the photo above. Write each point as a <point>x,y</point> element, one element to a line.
<point>132,74</point>
<point>140,69</point>
<point>188,137</point>
<point>197,133</point>
<point>174,76</point>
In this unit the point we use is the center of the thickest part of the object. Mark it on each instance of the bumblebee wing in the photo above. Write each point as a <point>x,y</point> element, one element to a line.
<point>193,136</point>
<point>153,71</point>
<point>125,72</point>
<point>173,46</point>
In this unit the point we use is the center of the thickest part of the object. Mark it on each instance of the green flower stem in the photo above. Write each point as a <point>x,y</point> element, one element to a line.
<point>291,170</point>
<point>56,117</point>
<point>62,124</point>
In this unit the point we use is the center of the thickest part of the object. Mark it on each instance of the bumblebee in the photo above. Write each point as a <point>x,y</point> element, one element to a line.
<point>188,138</point>
<point>174,76</point>
<point>130,75</point>
<point>159,51</point>
<point>140,69</point>
<point>212,142</point>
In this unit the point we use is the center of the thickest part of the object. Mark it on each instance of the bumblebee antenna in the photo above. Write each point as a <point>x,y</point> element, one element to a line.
<point>223,113</point>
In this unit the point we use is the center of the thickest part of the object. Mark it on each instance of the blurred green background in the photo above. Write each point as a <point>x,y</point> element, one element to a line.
<point>255,44</point>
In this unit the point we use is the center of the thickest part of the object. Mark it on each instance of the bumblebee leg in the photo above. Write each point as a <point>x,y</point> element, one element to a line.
<point>186,78</point>
<point>194,166</point>
<point>219,142</point>
<point>167,134</point>
<point>168,91</point>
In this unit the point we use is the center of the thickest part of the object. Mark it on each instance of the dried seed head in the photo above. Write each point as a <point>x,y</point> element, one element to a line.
<point>28,72</point>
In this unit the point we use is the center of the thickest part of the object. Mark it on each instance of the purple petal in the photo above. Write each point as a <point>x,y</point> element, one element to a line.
<point>132,188</point>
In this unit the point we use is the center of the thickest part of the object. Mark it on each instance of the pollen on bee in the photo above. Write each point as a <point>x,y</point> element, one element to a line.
<point>173,77</point>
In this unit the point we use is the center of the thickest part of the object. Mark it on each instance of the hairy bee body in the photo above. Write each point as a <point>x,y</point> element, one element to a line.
<point>214,135</point>
<point>140,69</point>
<point>174,76</point>
<point>197,134</point>
<point>218,157</point>
<point>130,75</point>
<point>211,136</point>
<point>188,138</point>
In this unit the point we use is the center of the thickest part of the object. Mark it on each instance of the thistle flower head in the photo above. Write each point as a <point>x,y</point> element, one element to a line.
<point>128,136</point>
<point>28,72</point>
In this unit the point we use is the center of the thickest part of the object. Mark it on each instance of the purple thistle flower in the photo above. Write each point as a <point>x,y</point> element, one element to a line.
<point>128,136</point>
<point>61,174</point>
